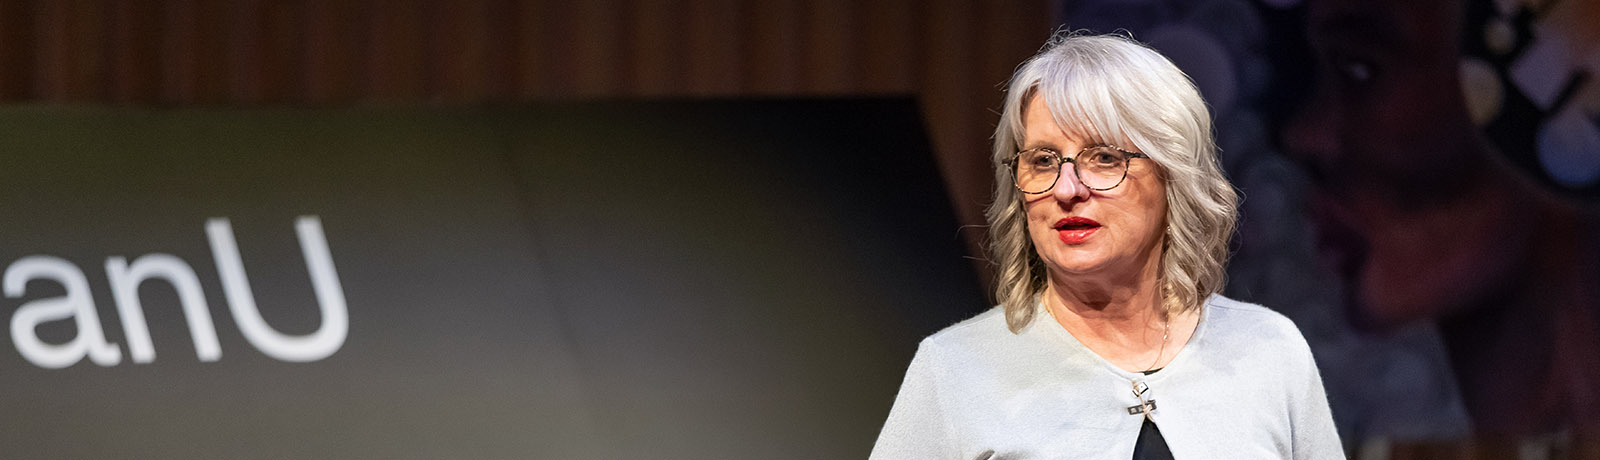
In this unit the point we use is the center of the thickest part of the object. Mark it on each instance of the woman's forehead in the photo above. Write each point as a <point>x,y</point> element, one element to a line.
<point>1061,119</point>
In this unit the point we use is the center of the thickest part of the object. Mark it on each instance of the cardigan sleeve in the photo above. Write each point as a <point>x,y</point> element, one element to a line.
<point>1312,429</point>
<point>917,427</point>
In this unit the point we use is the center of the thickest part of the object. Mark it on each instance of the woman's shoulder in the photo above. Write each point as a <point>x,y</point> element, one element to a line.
<point>1229,321</point>
<point>981,347</point>
<point>1237,313</point>
<point>984,327</point>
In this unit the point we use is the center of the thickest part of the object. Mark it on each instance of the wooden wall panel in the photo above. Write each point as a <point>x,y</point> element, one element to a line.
<point>953,99</point>
<point>831,59</point>
<point>458,46</point>
<point>336,39</point>
<point>17,45</point>
<point>657,59</point>
<point>71,63</point>
<point>772,36</point>
<point>597,32</point>
<point>134,49</point>
<point>195,49</point>
<point>396,57</point>
<point>715,33</point>
<point>891,28</point>
<point>952,54</point>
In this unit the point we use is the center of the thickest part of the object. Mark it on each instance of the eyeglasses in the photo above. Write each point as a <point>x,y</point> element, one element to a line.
<point>1099,167</point>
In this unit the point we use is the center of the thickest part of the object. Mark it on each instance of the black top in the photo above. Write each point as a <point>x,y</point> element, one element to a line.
<point>1151,446</point>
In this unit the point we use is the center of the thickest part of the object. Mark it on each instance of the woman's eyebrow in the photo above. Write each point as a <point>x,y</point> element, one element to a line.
<point>1039,145</point>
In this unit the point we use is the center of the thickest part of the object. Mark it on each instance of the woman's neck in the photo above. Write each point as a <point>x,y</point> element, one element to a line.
<point>1123,315</point>
<point>1122,318</point>
<point>1114,295</point>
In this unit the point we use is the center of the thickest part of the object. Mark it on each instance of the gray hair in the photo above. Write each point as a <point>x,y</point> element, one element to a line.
<point>1110,88</point>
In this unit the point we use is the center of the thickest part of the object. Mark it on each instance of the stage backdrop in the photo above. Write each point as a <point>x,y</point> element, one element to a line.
<point>691,279</point>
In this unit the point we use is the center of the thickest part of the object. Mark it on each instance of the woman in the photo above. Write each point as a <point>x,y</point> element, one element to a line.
<point>1110,227</point>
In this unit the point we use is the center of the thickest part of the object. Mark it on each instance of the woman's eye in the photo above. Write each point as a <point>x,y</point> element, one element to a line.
<point>1042,160</point>
<point>1103,158</point>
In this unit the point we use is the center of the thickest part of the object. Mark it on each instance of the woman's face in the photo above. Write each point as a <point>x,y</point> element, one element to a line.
<point>1112,233</point>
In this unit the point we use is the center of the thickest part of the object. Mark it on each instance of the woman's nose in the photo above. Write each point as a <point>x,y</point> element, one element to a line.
<point>1068,188</point>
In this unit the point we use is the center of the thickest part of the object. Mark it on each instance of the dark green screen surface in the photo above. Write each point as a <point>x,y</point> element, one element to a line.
<point>696,279</point>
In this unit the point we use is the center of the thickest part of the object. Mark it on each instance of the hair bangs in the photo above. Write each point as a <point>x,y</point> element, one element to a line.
<point>1083,99</point>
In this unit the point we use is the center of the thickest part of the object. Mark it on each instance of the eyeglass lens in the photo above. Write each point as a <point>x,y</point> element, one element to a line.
<point>1099,168</point>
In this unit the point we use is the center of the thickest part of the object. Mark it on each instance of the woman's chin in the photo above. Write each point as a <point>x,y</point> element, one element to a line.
<point>1078,264</point>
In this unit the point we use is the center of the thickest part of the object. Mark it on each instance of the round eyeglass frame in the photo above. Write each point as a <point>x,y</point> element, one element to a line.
<point>1011,164</point>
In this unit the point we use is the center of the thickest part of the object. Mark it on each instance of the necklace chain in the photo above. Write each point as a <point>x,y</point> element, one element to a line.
<point>1147,406</point>
<point>1166,329</point>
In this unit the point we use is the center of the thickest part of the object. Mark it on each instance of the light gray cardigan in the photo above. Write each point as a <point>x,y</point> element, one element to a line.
<point>1244,387</point>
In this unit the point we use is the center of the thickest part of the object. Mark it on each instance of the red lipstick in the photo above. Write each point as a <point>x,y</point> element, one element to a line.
<point>1076,230</point>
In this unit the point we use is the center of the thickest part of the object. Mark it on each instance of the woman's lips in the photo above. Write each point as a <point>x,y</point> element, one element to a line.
<point>1076,230</point>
